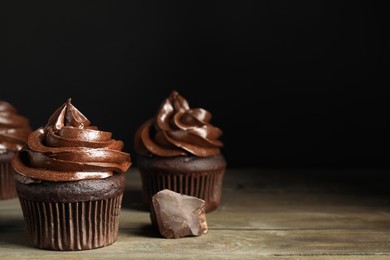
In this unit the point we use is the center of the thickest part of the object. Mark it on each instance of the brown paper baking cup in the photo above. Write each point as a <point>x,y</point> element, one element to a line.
<point>204,185</point>
<point>72,226</point>
<point>7,182</point>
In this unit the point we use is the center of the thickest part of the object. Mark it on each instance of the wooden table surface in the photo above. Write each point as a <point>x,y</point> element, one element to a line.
<point>265,214</point>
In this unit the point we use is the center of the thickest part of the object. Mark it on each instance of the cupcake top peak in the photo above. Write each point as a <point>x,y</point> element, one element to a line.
<point>68,115</point>
<point>178,130</point>
<point>176,101</point>
<point>6,107</point>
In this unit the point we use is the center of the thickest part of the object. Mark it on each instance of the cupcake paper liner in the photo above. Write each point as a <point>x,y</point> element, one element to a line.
<point>7,182</point>
<point>72,226</point>
<point>205,185</point>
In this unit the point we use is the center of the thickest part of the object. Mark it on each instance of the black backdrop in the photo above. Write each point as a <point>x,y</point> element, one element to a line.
<point>291,83</point>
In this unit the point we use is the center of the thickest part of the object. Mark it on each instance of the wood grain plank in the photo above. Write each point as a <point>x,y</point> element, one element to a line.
<point>222,243</point>
<point>267,213</point>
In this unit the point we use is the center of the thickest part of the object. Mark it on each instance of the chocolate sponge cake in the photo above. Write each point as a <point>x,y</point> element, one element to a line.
<point>76,191</point>
<point>200,177</point>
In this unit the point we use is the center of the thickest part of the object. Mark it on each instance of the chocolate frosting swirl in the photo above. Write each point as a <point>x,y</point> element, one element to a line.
<point>178,130</point>
<point>14,128</point>
<point>69,148</point>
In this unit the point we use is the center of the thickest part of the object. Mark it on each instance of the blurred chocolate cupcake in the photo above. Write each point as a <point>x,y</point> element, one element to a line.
<point>70,181</point>
<point>178,149</point>
<point>14,130</point>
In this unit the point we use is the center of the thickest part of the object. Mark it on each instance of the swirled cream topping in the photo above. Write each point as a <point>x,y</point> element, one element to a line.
<point>14,128</point>
<point>178,130</point>
<point>69,148</point>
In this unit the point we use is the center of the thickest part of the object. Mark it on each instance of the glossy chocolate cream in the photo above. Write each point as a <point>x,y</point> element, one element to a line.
<point>14,128</point>
<point>178,130</point>
<point>69,148</point>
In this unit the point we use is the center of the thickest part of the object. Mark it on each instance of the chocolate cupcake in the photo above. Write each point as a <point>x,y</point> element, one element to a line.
<point>178,149</point>
<point>14,130</point>
<point>70,181</point>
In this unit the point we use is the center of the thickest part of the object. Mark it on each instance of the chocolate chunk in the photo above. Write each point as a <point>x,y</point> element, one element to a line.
<point>176,215</point>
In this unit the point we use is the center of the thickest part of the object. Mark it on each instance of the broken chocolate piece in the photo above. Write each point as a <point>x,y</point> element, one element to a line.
<point>177,215</point>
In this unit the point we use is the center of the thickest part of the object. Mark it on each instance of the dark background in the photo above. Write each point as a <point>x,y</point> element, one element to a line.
<point>291,83</point>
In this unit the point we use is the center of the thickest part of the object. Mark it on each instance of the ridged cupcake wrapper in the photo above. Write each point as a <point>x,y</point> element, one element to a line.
<point>206,186</point>
<point>72,226</point>
<point>7,182</point>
